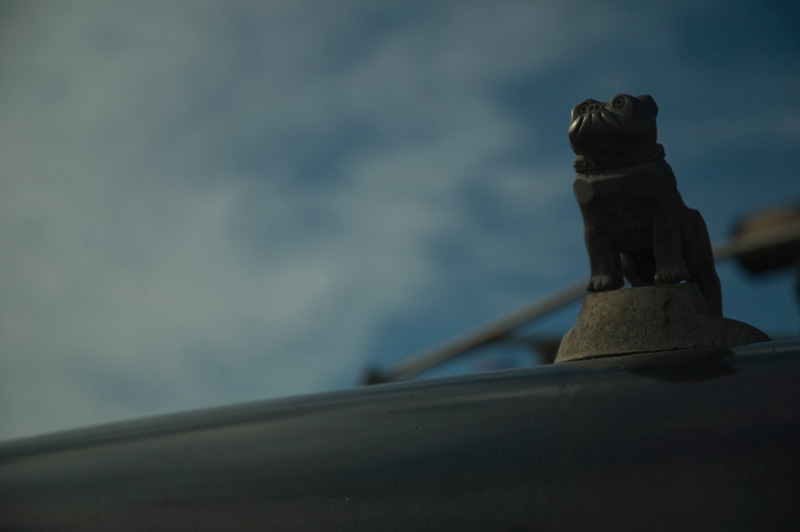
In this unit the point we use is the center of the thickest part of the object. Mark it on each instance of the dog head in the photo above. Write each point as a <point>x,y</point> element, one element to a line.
<point>621,124</point>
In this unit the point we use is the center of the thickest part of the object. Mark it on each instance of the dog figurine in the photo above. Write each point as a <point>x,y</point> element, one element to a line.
<point>635,222</point>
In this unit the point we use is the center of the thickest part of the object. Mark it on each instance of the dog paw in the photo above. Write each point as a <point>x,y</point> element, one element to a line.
<point>603,283</point>
<point>671,275</point>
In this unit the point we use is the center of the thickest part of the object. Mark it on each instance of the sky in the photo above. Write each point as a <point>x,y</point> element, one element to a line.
<point>205,203</point>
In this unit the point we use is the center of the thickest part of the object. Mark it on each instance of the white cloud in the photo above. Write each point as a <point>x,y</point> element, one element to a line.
<point>170,244</point>
<point>132,288</point>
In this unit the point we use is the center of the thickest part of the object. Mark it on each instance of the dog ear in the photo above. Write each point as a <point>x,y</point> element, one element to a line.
<point>650,102</point>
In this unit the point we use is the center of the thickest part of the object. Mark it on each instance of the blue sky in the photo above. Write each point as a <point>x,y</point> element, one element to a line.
<point>213,202</point>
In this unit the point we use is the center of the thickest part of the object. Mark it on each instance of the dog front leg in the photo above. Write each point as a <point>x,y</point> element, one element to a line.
<point>604,260</point>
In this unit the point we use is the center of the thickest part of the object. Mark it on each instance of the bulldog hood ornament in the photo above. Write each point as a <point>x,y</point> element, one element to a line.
<point>636,227</point>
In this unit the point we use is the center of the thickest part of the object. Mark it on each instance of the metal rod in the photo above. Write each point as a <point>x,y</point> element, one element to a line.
<point>757,240</point>
<point>485,333</point>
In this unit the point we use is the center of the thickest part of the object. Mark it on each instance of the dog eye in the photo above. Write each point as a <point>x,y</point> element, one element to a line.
<point>619,101</point>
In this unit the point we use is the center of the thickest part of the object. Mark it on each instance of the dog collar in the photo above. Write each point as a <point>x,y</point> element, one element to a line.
<point>644,154</point>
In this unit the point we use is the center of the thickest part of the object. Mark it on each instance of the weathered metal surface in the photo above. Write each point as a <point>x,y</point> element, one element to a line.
<point>650,318</point>
<point>686,440</point>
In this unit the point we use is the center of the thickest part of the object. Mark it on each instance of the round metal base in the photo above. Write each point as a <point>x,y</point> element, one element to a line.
<point>650,318</point>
